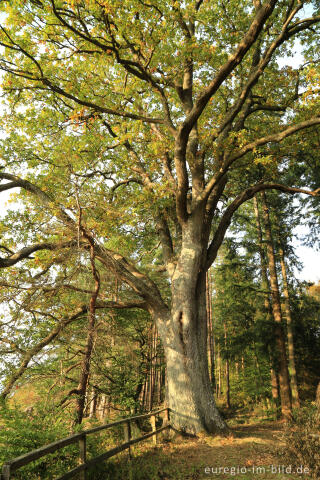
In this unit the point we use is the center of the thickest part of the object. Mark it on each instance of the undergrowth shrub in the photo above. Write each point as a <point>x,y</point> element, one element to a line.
<point>301,446</point>
<point>21,432</point>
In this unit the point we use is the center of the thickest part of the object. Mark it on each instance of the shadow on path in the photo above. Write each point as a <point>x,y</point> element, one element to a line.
<point>251,454</point>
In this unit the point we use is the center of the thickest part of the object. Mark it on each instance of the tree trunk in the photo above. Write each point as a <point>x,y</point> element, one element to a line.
<point>227,366</point>
<point>184,339</point>
<point>318,396</point>
<point>274,386</point>
<point>93,404</point>
<point>219,374</point>
<point>292,363</point>
<point>210,330</point>
<point>85,365</point>
<point>267,302</point>
<point>189,393</point>
<point>102,408</point>
<point>284,383</point>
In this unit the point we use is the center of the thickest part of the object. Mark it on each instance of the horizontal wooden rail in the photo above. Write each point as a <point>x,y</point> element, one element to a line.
<point>110,453</point>
<point>13,465</point>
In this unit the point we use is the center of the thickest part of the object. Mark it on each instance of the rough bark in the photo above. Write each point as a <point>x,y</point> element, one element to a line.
<point>189,392</point>
<point>274,385</point>
<point>284,382</point>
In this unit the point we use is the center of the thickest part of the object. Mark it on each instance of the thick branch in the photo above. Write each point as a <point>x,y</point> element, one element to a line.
<point>98,108</point>
<point>122,305</point>
<point>182,136</point>
<point>263,13</point>
<point>44,197</point>
<point>141,284</point>
<point>276,137</point>
<point>27,251</point>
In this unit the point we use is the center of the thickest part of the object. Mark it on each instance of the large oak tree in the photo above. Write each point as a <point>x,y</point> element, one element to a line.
<point>132,119</point>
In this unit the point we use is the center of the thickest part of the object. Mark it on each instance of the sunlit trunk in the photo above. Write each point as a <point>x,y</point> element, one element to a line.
<point>189,390</point>
<point>267,303</point>
<point>280,344</point>
<point>292,363</point>
<point>227,366</point>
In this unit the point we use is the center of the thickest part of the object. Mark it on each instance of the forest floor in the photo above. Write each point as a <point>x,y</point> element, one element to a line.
<point>252,453</point>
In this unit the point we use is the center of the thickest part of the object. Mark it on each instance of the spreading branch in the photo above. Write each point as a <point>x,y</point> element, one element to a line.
<point>237,202</point>
<point>251,147</point>
<point>182,136</point>
<point>25,252</point>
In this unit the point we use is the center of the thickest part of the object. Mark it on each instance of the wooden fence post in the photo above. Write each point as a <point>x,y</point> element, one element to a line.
<point>5,472</point>
<point>83,455</point>
<point>127,434</point>
<point>166,419</point>
<point>153,425</point>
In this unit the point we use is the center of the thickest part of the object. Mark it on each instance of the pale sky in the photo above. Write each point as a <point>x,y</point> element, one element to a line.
<point>311,261</point>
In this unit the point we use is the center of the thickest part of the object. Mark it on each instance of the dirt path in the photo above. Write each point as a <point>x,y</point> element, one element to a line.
<point>251,454</point>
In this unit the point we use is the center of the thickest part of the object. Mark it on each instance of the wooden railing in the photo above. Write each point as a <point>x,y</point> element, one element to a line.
<point>13,465</point>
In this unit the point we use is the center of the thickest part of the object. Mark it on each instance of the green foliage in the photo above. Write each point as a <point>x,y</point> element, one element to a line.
<point>306,319</point>
<point>22,432</point>
<point>302,440</point>
<point>25,430</point>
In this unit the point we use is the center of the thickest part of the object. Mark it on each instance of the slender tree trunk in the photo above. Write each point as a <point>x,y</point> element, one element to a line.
<point>227,366</point>
<point>144,394</point>
<point>318,396</point>
<point>93,404</point>
<point>163,378</point>
<point>210,330</point>
<point>259,378</point>
<point>150,376</point>
<point>219,373</point>
<point>274,385</point>
<point>267,302</point>
<point>108,406</point>
<point>292,363</point>
<point>85,366</point>
<point>102,409</point>
<point>284,383</point>
<point>152,360</point>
